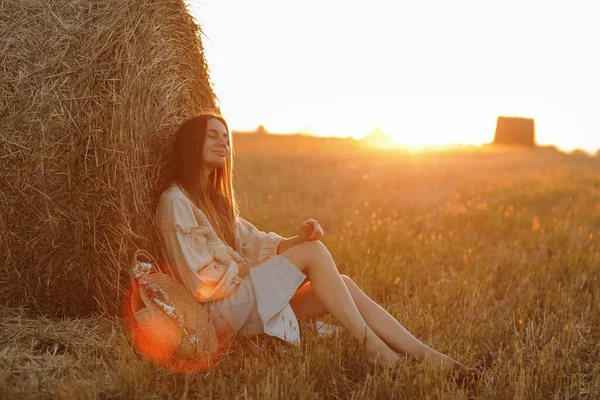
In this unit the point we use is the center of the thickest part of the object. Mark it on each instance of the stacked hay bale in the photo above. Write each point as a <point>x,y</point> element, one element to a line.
<point>90,92</point>
<point>515,131</point>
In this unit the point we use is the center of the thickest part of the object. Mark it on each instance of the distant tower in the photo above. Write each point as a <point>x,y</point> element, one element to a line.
<point>515,131</point>
<point>261,130</point>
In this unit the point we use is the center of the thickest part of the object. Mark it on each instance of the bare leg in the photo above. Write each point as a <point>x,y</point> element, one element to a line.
<point>306,305</point>
<point>314,259</point>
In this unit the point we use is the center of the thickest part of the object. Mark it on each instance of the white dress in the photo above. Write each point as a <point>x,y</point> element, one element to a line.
<point>194,254</point>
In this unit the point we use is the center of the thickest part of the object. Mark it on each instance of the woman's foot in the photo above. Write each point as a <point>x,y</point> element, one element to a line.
<point>439,362</point>
<point>447,365</point>
<point>379,353</point>
<point>461,374</point>
<point>465,375</point>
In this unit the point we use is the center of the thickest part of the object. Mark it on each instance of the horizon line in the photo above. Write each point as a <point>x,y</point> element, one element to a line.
<point>404,145</point>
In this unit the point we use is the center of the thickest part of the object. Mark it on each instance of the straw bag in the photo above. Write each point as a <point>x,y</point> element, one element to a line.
<point>168,322</point>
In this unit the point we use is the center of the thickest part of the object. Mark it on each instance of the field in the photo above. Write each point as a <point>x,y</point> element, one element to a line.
<point>489,255</point>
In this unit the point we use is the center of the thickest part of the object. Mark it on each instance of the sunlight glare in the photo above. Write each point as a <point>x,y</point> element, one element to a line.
<point>426,72</point>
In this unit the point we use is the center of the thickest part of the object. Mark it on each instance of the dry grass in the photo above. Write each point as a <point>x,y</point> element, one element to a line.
<point>89,92</point>
<point>490,256</point>
<point>46,355</point>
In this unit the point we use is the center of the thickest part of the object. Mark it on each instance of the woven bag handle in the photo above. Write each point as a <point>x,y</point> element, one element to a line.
<point>139,255</point>
<point>136,256</point>
<point>145,256</point>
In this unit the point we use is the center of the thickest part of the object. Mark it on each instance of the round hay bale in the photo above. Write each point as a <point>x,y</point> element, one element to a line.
<point>90,92</point>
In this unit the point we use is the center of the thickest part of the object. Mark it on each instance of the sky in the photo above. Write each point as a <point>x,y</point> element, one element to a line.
<point>426,72</point>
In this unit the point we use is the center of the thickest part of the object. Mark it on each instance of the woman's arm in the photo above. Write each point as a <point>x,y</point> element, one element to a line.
<point>243,270</point>
<point>187,256</point>
<point>257,246</point>
<point>309,230</point>
<point>287,243</point>
<point>284,245</point>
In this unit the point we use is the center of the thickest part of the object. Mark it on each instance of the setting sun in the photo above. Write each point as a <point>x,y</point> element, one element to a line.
<point>426,72</point>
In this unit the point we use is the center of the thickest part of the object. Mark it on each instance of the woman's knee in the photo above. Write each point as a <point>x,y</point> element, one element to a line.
<point>306,253</point>
<point>315,246</point>
<point>315,252</point>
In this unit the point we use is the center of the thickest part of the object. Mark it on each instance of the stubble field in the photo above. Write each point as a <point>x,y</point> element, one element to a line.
<point>491,256</point>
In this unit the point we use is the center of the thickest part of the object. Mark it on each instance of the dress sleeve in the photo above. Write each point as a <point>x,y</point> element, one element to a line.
<point>257,246</point>
<point>186,252</point>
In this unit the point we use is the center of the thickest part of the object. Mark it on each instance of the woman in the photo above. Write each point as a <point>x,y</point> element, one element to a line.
<point>252,282</point>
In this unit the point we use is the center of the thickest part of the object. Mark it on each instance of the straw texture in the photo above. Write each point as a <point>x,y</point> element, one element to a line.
<point>89,93</point>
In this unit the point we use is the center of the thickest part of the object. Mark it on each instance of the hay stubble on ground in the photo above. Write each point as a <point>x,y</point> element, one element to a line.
<point>490,257</point>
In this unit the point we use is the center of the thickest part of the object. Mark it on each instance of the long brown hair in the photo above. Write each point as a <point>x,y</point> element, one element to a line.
<point>215,197</point>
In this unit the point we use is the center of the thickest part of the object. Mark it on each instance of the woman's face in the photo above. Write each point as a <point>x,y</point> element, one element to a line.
<point>216,145</point>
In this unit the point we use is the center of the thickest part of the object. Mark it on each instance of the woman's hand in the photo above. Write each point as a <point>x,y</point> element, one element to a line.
<point>310,230</point>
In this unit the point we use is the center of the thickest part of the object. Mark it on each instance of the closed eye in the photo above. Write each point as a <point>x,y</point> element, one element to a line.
<point>214,135</point>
